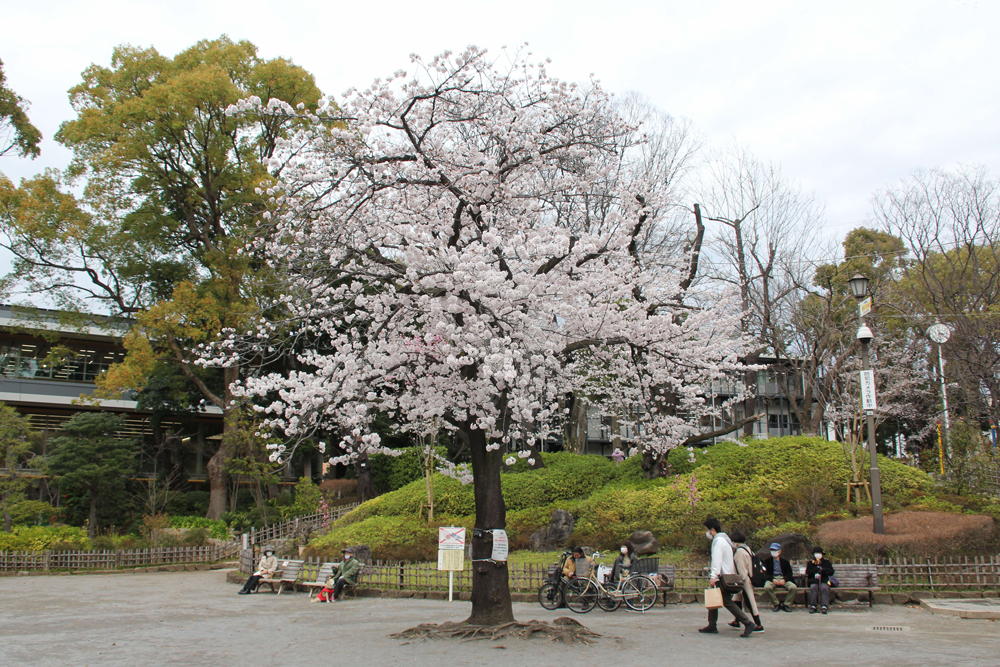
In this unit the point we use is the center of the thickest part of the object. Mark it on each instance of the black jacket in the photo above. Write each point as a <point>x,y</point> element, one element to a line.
<point>786,569</point>
<point>824,569</point>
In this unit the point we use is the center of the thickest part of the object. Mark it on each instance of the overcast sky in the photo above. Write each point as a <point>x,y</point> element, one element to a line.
<point>846,96</point>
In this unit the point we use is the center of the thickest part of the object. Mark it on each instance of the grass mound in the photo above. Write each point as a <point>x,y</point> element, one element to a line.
<point>764,488</point>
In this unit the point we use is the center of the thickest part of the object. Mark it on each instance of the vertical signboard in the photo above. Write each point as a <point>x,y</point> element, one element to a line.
<point>868,390</point>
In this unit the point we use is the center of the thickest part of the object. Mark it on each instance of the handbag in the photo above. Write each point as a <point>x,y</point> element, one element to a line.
<point>731,582</point>
<point>713,598</point>
<point>833,581</point>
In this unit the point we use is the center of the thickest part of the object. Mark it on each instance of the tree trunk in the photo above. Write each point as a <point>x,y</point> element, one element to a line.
<point>575,430</point>
<point>490,588</point>
<point>218,478</point>
<point>652,464</point>
<point>92,527</point>
<point>363,473</point>
<point>7,520</point>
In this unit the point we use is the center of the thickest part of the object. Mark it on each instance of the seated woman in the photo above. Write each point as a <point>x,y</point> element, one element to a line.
<point>626,561</point>
<point>344,574</point>
<point>818,573</point>
<point>267,566</point>
<point>569,567</point>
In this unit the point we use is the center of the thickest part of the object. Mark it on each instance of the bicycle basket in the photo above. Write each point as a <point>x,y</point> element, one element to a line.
<point>555,574</point>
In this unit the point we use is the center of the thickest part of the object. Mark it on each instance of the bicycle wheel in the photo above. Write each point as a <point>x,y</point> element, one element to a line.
<point>550,596</point>
<point>581,595</point>
<point>607,601</point>
<point>640,593</point>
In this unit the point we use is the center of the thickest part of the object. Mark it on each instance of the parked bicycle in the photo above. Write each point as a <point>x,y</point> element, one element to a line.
<point>582,594</point>
<point>552,594</point>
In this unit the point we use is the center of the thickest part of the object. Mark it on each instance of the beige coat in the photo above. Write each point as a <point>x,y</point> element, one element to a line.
<point>741,557</point>
<point>268,564</point>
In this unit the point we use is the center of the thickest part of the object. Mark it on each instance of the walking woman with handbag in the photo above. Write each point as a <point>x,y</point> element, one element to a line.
<point>722,576</point>
<point>743,559</point>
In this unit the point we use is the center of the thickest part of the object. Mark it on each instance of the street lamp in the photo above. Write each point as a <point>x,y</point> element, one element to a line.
<point>859,288</point>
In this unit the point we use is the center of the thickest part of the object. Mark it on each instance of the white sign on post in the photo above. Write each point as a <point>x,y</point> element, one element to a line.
<point>500,544</point>
<point>865,306</point>
<point>868,390</point>
<point>451,554</point>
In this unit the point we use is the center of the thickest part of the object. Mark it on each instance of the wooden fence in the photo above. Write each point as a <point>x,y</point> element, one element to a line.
<point>111,560</point>
<point>894,574</point>
<point>288,527</point>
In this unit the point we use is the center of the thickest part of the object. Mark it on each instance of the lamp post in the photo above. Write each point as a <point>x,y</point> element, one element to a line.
<point>859,288</point>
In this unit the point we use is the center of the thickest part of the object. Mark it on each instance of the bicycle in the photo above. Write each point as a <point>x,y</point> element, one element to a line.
<point>552,594</point>
<point>637,591</point>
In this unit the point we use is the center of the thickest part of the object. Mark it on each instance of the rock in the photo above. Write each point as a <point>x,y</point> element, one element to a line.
<point>644,542</point>
<point>672,598</point>
<point>555,536</point>
<point>793,545</point>
<point>917,596</point>
<point>688,598</point>
<point>991,594</point>
<point>883,598</point>
<point>900,598</point>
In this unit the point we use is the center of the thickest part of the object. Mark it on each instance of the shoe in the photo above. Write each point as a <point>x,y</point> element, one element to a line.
<point>759,628</point>
<point>776,607</point>
<point>748,630</point>
<point>824,610</point>
<point>243,593</point>
<point>813,610</point>
<point>785,607</point>
<point>734,624</point>
<point>709,630</point>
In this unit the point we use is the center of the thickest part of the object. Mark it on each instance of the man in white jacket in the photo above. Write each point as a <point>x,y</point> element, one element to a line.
<point>722,563</point>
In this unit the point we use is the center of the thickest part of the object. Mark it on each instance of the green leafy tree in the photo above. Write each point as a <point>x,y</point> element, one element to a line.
<point>17,134</point>
<point>15,450</point>
<point>174,190</point>
<point>90,457</point>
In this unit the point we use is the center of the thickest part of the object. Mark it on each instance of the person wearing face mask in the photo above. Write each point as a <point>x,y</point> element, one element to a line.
<point>743,559</point>
<point>344,574</point>
<point>818,573</point>
<point>626,560</point>
<point>722,564</point>
<point>779,575</point>
<point>267,566</point>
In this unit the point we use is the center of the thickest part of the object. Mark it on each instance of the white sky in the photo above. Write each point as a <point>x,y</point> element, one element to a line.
<point>846,96</point>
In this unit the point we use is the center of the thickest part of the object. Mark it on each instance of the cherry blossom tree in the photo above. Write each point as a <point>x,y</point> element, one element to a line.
<point>463,250</point>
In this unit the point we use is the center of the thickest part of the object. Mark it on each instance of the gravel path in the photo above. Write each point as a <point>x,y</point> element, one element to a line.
<point>196,618</point>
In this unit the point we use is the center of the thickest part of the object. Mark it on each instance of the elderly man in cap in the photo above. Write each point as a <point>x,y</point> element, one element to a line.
<point>267,566</point>
<point>779,575</point>
<point>344,574</point>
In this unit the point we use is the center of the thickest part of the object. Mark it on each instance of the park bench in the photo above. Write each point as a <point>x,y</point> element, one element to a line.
<point>857,578</point>
<point>352,588</point>
<point>288,573</point>
<point>325,572</point>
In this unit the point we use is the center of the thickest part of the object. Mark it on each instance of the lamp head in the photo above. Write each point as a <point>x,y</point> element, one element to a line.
<point>864,334</point>
<point>859,286</point>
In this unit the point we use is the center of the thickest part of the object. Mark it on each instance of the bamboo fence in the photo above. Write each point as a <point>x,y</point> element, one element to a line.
<point>953,574</point>
<point>292,526</point>
<point>113,559</point>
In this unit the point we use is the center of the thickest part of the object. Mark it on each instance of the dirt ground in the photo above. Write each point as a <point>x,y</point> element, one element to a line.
<point>196,618</point>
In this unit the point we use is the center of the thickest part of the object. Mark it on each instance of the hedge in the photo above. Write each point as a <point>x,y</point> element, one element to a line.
<point>44,538</point>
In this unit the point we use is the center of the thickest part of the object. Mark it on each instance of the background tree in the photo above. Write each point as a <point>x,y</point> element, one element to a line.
<point>767,234</point>
<point>17,134</point>
<point>90,456</point>
<point>15,451</point>
<point>442,246</point>
<point>950,224</point>
<point>173,191</point>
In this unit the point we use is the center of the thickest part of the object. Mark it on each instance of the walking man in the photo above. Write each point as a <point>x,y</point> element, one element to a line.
<point>722,564</point>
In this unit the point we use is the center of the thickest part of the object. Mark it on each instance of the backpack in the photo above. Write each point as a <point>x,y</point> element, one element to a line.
<point>758,575</point>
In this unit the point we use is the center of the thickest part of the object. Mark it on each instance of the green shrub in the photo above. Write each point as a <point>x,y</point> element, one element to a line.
<point>307,497</point>
<point>44,538</point>
<point>390,473</point>
<point>390,538</point>
<point>32,512</point>
<point>216,529</point>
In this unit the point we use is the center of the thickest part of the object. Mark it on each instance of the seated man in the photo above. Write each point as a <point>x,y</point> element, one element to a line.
<point>779,575</point>
<point>344,574</point>
<point>569,567</point>
<point>267,566</point>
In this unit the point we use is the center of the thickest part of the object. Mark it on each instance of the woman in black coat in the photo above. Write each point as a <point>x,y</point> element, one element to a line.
<point>818,573</point>
<point>625,561</point>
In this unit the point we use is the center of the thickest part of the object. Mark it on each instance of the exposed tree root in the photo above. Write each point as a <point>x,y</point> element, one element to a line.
<point>564,629</point>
